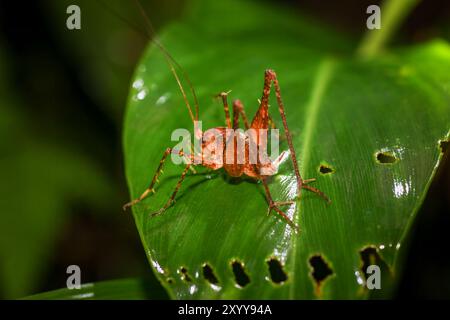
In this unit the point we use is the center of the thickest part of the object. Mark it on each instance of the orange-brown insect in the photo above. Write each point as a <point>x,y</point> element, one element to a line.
<point>260,121</point>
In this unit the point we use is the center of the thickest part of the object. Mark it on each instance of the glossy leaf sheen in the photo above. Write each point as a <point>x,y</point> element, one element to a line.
<point>341,112</point>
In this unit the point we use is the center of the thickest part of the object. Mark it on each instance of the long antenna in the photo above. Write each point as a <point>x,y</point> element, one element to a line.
<point>151,34</point>
<point>117,15</point>
<point>171,62</point>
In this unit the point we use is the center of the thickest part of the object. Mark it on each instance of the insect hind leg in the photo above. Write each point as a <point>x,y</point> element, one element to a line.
<point>274,205</point>
<point>315,190</point>
<point>269,78</point>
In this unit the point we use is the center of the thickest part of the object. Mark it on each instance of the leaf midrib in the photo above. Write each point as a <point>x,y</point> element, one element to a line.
<point>322,78</point>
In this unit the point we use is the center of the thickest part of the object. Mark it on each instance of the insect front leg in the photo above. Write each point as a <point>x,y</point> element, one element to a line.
<point>151,189</point>
<point>174,194</point>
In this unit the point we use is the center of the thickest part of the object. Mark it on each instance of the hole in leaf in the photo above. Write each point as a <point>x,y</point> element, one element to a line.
<point>320,271</point>
<point>277,273</point>
<point>209,275</point>
<point>320,268</point>
<point>170,280</point>
<point>444,145</point>
<point>370,256</point>
<point>385,157</point>
<point>184,275</point>
<point>241,277</point>
<point>325,169</point>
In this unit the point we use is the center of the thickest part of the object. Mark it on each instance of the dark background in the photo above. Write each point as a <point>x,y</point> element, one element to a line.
<point>67,90</point>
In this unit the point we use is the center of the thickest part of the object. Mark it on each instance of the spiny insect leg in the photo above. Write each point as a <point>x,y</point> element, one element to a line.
<point>270,76</point>
<point>174,194</point>
<point>273,205</point>
<point>151,189</point>
<point>238,109</point>
<point>224,95</point>
<point>315,190</point>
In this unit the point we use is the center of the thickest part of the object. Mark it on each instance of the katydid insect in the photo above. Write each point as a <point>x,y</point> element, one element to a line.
<point>260,121</point>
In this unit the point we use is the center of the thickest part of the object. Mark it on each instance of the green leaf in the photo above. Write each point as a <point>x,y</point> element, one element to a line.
<point>342,113</point>
<point>123,289</point>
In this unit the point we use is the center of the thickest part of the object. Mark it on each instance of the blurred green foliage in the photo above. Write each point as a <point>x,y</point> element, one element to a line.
<point>62,95</point>
<point>41,178</point>
<point>106,51</point>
